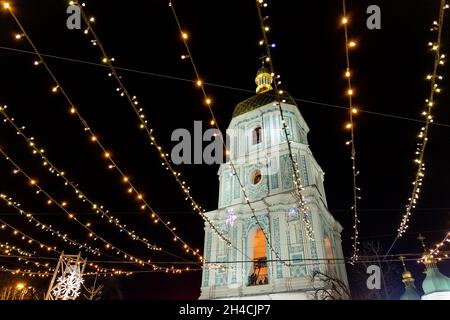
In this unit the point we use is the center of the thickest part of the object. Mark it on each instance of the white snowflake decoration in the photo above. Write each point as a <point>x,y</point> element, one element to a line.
<point>231,217</point>
<point>68,288</point>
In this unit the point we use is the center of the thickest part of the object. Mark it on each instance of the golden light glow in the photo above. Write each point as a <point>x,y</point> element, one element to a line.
<point>20,286</point>
<point>105,59</point>
<point>349,126</point>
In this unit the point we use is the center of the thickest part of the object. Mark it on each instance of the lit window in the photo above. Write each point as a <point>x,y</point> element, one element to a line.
<point>260,274</point>
<point>256,136</point>
<point>329,254</point>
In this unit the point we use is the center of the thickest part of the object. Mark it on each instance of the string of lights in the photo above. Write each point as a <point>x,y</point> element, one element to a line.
<point>131,189</point>
<point>48,228</point>
<point>56,233</point>
<point>104,272</point>
<point>8,249</point>
<point>99,209</point>
<point>219,264</point>
<point>26,261</point>
<point>23,273</point>
<point>40,225</point>
<point>113,270</point>
<point>208,102</point>
<point>45,227</point>
<point>223,86</point>
<point>29,240</point>
<point>34,264</point>
<point>133,101</point>
<point>265,29</point>
<point>434,77</point>
<point>437,248</point>
<point>22,255</point>
<point>64,237</point>
<point>352,112</point>
<point>63,206</point>
<point>33,274</point>
<point>143,122</point>
<point>427,210</point>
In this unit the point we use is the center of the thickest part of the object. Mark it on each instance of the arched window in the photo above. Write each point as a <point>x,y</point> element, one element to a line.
<point>256,136</point>
<point>260,274</point>
<point>329,254</point>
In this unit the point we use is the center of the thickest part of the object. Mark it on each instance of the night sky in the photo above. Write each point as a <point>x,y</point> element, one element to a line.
<point>389,77</point>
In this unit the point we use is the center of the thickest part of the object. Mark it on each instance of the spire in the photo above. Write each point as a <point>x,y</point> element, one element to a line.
<point>407,278</point>
<point>427,259</point>
<point>410,287</point>
<point>263,80</point>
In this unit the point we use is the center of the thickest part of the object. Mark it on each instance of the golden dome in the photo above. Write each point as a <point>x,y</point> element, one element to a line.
<point>263,80</point>
<point>407,274</point>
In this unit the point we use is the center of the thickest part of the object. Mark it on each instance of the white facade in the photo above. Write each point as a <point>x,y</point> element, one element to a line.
<point>437,296</point>
<point>261,158</point>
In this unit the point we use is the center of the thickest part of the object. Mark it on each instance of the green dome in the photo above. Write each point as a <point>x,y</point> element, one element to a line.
<point>410,294</point>
<point>435,281</point>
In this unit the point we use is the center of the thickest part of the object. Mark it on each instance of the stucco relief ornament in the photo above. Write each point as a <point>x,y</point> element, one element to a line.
<point>292,212</point>
<point>231,217</point>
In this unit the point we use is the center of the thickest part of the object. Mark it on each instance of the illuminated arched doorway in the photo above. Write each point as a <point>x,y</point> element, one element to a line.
<point>329,254</point>
<point>260,273</point>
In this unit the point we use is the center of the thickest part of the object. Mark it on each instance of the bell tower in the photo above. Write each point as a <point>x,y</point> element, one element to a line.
<point>258,149</point>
